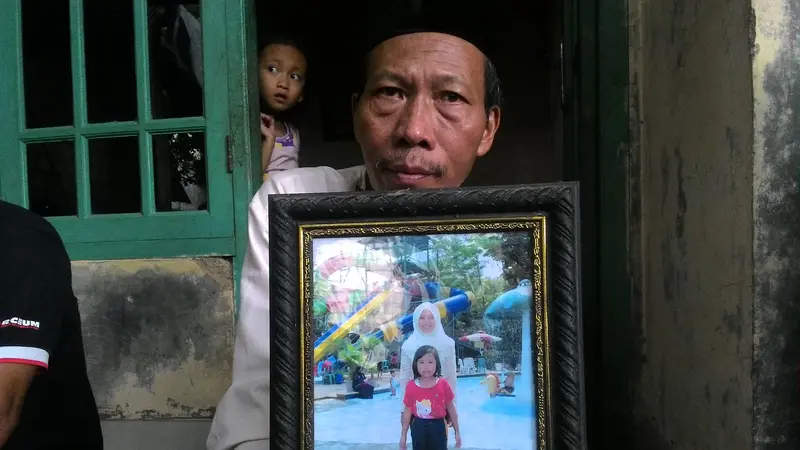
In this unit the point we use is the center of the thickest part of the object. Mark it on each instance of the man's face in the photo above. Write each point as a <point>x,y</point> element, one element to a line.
<point>421,120</point>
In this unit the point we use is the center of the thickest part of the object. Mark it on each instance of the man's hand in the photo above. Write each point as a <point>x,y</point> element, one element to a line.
<point>15,379</point>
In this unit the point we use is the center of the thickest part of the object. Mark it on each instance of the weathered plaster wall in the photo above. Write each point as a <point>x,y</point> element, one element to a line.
<point>776,205</point>
<point>691,68</point>
<point>158,335</point>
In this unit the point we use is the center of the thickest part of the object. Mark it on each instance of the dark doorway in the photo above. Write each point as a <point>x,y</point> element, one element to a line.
<point>524,50</point>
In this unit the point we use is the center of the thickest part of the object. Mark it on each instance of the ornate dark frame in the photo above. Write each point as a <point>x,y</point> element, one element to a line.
<point>558,202</point>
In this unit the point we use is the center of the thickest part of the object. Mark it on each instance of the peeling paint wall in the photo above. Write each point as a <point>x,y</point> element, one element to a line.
<point>158,335</point>
<point>776,205</point>
<point>694,105</point>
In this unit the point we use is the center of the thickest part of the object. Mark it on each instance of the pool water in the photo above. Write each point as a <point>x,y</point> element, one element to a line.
<point>500,423</point>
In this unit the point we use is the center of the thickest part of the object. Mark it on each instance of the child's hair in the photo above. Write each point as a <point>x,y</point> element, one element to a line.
<point>422,351</point>
<point>391,371</point>
<point>275,39</point>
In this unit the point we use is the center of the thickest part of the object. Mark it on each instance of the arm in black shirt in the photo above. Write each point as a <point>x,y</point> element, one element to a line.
<point>35,280</point>
<point>15,379</point>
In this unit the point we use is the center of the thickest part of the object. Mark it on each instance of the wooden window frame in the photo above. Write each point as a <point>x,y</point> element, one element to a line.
<point>150,233</point>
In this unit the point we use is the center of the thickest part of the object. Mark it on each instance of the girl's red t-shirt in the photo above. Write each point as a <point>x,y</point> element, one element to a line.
<point>428,403</point>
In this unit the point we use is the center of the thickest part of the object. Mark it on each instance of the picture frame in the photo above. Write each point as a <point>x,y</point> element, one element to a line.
<point>302,226</point>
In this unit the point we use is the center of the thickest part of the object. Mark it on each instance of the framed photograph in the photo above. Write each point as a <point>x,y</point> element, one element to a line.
<point>452,314</point>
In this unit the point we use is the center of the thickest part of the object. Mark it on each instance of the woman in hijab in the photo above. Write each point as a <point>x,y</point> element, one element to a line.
<point>428,330</point>
<point>360,385</point>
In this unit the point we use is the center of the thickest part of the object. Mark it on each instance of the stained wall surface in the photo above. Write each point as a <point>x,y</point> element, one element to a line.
<point>693,121</point>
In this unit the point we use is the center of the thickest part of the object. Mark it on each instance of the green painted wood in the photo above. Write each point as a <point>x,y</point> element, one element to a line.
<point>82,175</point>
<point>244,115</point>
<point>616,284</point>
<point>168,248</point>
<point>142,60</point>
<point>12,167</point>
<point>142,64</point>
<point>115,235</point>
<point>78,63</point>
<point>581,137</point>
<point>79,107</point>
<point>147,173</point>
<point>216,106</point>
<point>113,129</point>
<point>136,227</point>
<point>596,154</point>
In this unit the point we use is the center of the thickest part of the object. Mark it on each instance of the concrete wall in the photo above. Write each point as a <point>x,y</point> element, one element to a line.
<point>693,116</point>
<point>158,338</point>
<point>776,205</point>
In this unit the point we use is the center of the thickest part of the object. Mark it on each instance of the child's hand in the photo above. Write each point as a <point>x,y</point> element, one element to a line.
<point>458,439</point>
<point>403,445</point>
<point>267,126</point>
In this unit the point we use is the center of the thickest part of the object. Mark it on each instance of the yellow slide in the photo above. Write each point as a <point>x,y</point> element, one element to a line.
<point>344,329</point>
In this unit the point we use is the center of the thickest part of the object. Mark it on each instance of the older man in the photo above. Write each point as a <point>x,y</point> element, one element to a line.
<point>428,108</point>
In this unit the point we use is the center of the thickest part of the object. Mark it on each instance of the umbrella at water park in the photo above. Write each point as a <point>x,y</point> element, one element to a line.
<point>480,336</point>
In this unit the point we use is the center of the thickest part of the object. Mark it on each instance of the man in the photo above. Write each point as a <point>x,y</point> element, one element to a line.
<point>428,108</point>
<point>46,402</point>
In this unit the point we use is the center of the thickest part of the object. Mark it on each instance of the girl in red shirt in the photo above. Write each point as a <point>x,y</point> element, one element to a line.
<point>428,399</point>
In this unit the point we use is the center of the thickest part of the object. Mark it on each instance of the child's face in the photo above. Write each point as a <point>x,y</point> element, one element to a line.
<point>282,76</point>
<point>426,366</point>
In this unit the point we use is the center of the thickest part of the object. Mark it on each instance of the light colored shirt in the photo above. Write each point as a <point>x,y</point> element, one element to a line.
<point>285,152</point>
<point>242,419</point>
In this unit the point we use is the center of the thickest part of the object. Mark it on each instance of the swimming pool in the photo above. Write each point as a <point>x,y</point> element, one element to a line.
<point>486,423</point>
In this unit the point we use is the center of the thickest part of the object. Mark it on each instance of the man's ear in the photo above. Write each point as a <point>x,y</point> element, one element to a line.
<point>300,99</point>
<point>492,124</point>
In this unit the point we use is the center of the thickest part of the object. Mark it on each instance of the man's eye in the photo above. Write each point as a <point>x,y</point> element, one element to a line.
<point>451,97</point>
<point>389,91</point>
<point>272,69</point>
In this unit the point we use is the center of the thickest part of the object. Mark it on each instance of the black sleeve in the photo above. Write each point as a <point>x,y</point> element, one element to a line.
<point>35,277</point>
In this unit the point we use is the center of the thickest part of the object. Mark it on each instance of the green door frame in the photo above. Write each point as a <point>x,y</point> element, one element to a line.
<point>597,152</point>
<point>245,137</point>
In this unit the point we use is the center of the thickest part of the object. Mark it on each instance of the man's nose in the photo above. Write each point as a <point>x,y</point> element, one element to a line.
<point>415,127</point>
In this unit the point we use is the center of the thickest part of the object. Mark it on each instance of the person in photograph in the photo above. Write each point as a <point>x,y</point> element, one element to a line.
<point>360,385</point>
<point>427,109</point>
<point>508,383</point>
<point>428,330</point>
<point>393,383</point>
<point>428,400</point>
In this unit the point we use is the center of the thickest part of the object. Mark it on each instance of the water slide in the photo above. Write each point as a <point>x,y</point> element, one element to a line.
<point>323,343</point>
<point>458,301</point>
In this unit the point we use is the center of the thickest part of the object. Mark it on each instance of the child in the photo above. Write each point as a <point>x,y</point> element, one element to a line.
<point>508,383</point>
<point>282,77</point>
<point>428,399</point>
<point>393,383</point>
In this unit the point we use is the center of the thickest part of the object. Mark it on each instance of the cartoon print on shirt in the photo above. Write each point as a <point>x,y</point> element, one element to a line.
<point>424,409</point>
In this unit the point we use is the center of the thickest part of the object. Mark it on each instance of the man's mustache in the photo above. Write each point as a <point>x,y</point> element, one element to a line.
<point>406,159</point>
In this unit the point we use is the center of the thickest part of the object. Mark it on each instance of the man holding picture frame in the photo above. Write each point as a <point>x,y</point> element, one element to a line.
<point>429,107</point>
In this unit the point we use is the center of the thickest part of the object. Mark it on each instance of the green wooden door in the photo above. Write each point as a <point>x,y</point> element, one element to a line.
<point>134,163</point>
